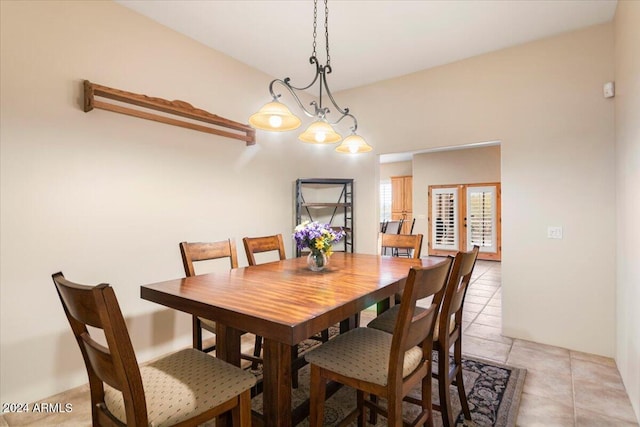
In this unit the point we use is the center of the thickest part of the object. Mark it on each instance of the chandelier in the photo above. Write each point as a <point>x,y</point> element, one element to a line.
<point>275,116</point>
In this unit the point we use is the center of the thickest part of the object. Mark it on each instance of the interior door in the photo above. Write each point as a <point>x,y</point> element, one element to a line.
<point>444,207</point>
<point>482,216</point>
<point>464,215</point>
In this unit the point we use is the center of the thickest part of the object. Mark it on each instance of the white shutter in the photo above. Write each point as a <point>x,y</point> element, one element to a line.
<point>444,219</point>
<point>481,218</point>
<point>385,200</point>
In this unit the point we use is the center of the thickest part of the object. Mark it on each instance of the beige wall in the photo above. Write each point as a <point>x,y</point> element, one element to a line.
<point>543,101</point>
<point>468,166</point>
<point>107,197</point>
<point>627,113</point>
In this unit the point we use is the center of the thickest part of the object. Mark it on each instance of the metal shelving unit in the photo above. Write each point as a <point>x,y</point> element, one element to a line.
<point>327,200</point>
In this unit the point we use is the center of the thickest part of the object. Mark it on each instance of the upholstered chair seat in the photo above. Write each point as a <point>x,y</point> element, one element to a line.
<point>362,353</point>
<point>387,321</point>
<point>183,385</point>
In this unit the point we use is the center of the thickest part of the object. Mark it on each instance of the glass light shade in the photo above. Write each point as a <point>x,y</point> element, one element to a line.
<point>274,116</point>
<point>353,144</point>
<point>320,132</point>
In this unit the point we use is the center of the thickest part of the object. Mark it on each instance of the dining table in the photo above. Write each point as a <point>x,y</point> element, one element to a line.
<point>285,303</point>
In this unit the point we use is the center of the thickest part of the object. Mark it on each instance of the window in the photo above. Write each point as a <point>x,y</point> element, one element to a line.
<point>385,200</point>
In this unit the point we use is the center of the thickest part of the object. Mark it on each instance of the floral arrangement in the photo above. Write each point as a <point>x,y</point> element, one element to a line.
<point>317,237</point>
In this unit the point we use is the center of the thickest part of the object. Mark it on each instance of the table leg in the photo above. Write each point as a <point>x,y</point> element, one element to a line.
<point>227,349</point>
<point>277,384</point>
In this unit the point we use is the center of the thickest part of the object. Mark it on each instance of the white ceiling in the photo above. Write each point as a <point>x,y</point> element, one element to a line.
<point>369,40</point>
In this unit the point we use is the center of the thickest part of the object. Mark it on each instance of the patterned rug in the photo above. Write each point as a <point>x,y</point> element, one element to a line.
<point>493,391</point>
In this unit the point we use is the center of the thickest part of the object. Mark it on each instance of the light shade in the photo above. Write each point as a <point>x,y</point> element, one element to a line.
<point>353,144</point>
<point>274,116</point>
<point>320,132</point>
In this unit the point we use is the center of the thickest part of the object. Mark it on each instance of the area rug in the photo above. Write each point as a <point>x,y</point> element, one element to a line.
<point>493,391</point>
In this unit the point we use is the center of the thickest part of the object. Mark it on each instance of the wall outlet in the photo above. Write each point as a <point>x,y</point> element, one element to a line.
<point>554,232</point>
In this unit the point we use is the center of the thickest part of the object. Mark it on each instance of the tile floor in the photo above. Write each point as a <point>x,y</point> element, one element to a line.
<point>562,387</point>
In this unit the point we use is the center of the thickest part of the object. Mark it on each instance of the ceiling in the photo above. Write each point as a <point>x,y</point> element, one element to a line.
<point>369,40</point>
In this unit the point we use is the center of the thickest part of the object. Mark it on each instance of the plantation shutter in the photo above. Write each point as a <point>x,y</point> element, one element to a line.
<point>481,218</point>
<point>385,200</point>
<point>444,216</point>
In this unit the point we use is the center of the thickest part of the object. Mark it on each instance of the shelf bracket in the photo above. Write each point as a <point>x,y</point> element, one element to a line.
<point>171,108</point>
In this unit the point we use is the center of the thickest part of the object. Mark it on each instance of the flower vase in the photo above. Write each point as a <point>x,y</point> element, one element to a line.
<point>317,261</point>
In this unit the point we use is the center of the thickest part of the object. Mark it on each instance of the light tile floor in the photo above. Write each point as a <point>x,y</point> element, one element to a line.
<point>562,387</point>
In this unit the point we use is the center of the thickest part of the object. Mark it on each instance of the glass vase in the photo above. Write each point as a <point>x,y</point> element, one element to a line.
<point>317,261</point>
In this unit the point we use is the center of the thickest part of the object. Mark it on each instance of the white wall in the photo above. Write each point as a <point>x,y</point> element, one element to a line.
<point>627,110</point>
<point>543,101</point>
<point>106,197</point>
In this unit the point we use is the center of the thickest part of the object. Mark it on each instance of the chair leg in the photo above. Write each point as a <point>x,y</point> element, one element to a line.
<point>373,415</point>
<point>241,414</point>
<point>427,397</point>
<point>394,412</point>
<point>197,333</point>
<point>294,372</point>
<point>457,359</point>
<point>443,387</point>
<point>257,349</point>
<point>318,389</point>
<point>362,411</point>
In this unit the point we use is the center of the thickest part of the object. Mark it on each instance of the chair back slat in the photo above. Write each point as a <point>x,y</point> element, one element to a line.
<point>115,364</point>
<point>200,251</point>
<point>401,241</point>
<point>411,328</point>
<point>254,245</point>
<point>101,361</point>
<point>456,289</point>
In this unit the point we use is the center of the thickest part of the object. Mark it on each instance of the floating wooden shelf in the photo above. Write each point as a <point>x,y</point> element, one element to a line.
<point>178,108</point>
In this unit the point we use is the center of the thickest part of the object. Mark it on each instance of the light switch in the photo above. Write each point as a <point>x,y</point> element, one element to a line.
<point>554,232</point>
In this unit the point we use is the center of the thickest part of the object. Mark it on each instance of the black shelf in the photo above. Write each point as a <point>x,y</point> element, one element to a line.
<point>327,200</point>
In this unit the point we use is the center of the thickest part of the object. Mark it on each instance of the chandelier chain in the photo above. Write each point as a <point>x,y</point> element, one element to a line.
<point>326,30</point>
<point>315,25</point>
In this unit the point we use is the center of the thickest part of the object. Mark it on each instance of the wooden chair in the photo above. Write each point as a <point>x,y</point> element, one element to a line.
<point>448,333</point>
<point>185,388</point>
<point>254,245</point>
<point>193,252</point>
<point>381,364</point>
<point>400,252</point>
<point>411,243</point>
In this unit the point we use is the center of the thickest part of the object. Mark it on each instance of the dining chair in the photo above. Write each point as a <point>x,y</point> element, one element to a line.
<point>255,245</point>
<point>377,363</point>
<point>193,252</point>
<point>448,333</point>
<point>185,388</point>
<point>411,243</point>
<point>406,252</point>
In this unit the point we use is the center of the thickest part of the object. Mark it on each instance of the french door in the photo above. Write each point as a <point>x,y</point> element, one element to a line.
<point>464,215</point>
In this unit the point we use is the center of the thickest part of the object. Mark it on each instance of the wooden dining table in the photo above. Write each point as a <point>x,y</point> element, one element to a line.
<point>285,303</point>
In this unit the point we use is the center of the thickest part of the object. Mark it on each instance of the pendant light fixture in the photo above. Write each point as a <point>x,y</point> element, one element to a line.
<point>275,116</point>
